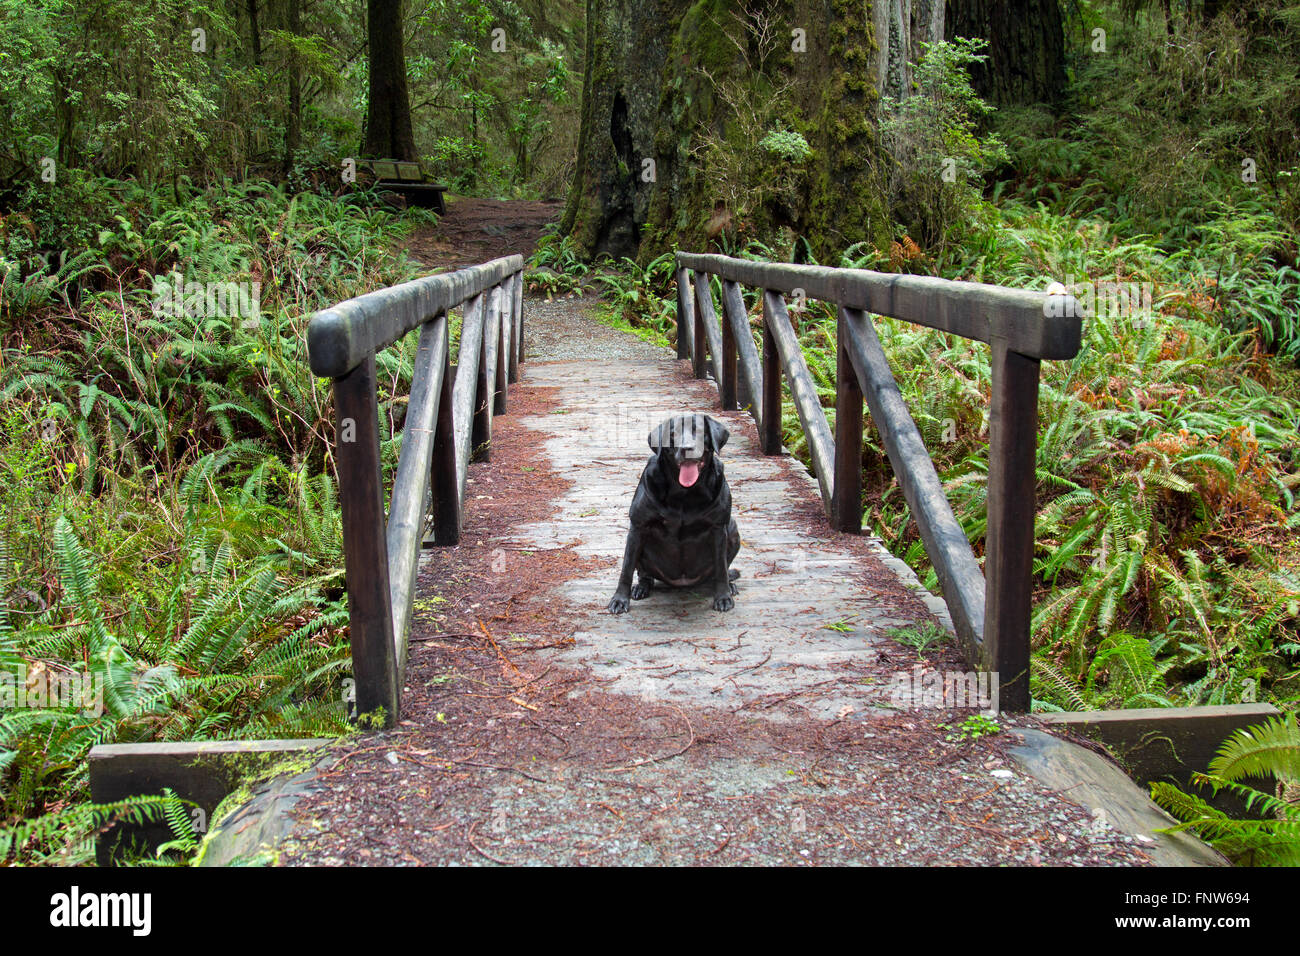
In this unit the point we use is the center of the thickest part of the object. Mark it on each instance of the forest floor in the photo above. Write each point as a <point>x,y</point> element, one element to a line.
<point>538,729</point>
<point>477,230</point>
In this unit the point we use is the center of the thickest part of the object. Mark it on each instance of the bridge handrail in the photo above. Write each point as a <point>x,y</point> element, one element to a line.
<point>340,337</point>
<point>973,310</point>
<point>990,610</point>
<point>448,420</point>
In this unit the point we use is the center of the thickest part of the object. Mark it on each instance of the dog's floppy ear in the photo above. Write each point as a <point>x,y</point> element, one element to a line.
<point>661,436</point>
<point>718,433</point>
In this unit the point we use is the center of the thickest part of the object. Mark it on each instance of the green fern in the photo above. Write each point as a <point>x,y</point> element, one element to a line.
<point>66,837</point>
<point>1272,750</point>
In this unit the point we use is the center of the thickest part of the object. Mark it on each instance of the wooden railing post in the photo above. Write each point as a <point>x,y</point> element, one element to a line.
<point>361,498</point>
<point>505,311</point>
<point>769,428</point>
<point>699,338</point>
<point>728,364</point>
<point>1009,561</point>
<point>846,499</point>
<point>444,480</point>
<point>749,384</point>
<point>685,313</point>
<point>516,326</point>
<point>481,438</point>
<point>803,395</point>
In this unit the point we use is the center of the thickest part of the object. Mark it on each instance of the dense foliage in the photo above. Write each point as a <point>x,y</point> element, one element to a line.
<point>173,529</point>
<point>178,90</point>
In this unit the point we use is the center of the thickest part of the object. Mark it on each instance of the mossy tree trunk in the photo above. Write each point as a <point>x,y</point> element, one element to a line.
<point>627,43</point>
<point>680,98</point>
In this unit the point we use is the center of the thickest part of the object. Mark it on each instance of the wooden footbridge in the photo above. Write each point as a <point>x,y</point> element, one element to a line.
<point>531,726</point>
<point>451,408</point>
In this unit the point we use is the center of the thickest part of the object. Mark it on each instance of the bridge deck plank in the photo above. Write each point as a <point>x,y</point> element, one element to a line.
<point>800,582</point>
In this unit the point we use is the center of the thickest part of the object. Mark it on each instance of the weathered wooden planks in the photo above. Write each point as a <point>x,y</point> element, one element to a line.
<point>945,543</point>
<point>411,483</point>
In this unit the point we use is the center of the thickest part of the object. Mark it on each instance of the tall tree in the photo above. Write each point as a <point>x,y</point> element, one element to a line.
<point>388,115</point>
<point>677,98</point>
<point>255,32</point>
<point>901,26</point>
<point>293,130</point>
<point>1026,51</point>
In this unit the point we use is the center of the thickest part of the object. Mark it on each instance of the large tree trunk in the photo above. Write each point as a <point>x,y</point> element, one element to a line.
<point>661,81</point>
<point>255,33</point>
<point>1026,51</point>
<point>292,133</point>
<point>901,26</point>
<point>661,85</point>
<point>388,115</point>
<point>626,48</point>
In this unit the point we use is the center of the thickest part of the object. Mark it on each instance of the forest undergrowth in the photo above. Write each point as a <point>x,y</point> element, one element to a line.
<point>171,563</point>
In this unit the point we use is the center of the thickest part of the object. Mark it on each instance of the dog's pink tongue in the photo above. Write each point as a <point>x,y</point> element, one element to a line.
<point>689,473</point>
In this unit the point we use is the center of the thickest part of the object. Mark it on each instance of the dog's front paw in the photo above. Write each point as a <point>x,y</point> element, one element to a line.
<point>723,602</point>
<point>618,604</point>
<point>640,590</point>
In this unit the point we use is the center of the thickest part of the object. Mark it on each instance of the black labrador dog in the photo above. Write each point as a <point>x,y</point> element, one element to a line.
<point>682,531</point>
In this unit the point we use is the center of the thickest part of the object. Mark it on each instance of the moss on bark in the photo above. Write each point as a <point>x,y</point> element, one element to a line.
<point>654,74</point>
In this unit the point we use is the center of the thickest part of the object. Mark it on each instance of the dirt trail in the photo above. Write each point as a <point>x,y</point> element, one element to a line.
<point>476,230</point>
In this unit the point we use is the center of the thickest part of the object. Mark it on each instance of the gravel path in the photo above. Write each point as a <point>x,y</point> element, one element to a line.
<point>537,729</point>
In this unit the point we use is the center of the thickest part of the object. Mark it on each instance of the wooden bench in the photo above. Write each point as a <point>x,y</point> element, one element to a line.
<point>408,179</point>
